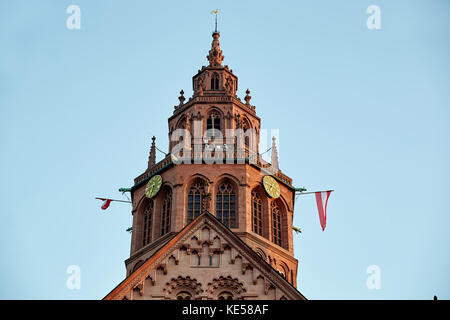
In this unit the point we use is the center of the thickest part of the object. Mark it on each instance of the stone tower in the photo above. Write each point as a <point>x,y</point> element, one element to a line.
<point>212,220</point>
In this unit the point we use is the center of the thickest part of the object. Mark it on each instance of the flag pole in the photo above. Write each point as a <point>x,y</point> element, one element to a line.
<point>300,193</point>
<point>113,200</point>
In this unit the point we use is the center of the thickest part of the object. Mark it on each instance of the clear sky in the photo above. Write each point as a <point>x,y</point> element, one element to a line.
<point>363,112</point>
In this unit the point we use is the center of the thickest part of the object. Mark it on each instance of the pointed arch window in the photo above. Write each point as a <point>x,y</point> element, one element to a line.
<point>195,200</point>
<point>276,224</point>
<point>213,124</point>
<point>283,272</point>
<point>215,82</point>
<point>256,213</point>
<point>247,133</point>
<point>226,205</point>
<point>166,210</point>
<point>148,221</point>
<point>181,124</point>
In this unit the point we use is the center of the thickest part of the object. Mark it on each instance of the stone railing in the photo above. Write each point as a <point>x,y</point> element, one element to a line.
<point>264,165</point>
<point>213,98</point>
<point>155,168</point>
<point>244,155</point>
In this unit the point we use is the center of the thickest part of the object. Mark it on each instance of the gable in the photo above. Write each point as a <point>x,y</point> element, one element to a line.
<point>203,261</point>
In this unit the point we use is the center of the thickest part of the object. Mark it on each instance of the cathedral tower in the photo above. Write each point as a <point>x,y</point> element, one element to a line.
<point>212,220</point>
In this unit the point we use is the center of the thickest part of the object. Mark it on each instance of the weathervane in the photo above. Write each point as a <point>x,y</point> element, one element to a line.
<point>215,12</point>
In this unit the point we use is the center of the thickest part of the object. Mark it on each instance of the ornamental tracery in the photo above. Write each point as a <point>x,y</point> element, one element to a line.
<point>226,284</point>
<point>226,204</point>
<point>185,285</point>
<point>195,199</point>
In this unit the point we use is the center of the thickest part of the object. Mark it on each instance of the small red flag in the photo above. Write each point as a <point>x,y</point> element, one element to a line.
<point>106,203</point>
<point>322,200</point>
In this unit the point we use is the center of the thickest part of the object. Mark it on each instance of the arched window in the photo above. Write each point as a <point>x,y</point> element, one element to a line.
<point>276,224</point>
<point>166,210</point>
<point>215,82</point>
<point>247,133</point>
<point>225,295</point>
<point>213,124</point>
<point>226,205</point>
<point>247,142</point>
<point>147,226</point>
<point>282,271</point>
<point>184,295</point>
<point>181,124</point>
<point>195,200</point>
<point>256,213</point>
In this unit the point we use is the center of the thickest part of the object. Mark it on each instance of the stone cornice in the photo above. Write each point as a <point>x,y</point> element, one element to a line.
<point>209,98</point>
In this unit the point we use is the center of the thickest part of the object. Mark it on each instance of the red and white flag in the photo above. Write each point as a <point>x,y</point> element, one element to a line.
<point>322,200</point>
<point>106,203</point>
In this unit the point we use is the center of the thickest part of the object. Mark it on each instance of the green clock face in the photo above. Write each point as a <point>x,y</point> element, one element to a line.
<point>153,186</point>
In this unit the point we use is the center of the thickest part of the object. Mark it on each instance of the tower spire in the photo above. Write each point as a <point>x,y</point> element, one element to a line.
<point>215,56</point>
<point>275,164</point>
<point>152,156</point>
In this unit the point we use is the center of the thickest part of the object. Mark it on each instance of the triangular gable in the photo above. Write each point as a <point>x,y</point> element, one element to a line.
<point>204,258</point>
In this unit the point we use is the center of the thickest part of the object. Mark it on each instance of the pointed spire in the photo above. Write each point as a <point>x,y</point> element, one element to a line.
<point>275,164</point>
<point>152,157</point>
<point>215,56</point>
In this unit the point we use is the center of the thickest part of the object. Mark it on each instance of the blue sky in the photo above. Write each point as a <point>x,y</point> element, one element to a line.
<point>363,112</point>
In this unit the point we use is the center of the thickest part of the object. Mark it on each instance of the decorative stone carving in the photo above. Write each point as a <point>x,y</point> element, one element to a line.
<point>229,85</point>
<point>224,267</point>
<point>200,85</point>
<point>180,283</point>
<point>140,288</point>
<point>207,202</point>
<point>181,98</point>
<point>228,283</point>
<point>247,97</point>
<point>237,118</point>
<point>215,56</point>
